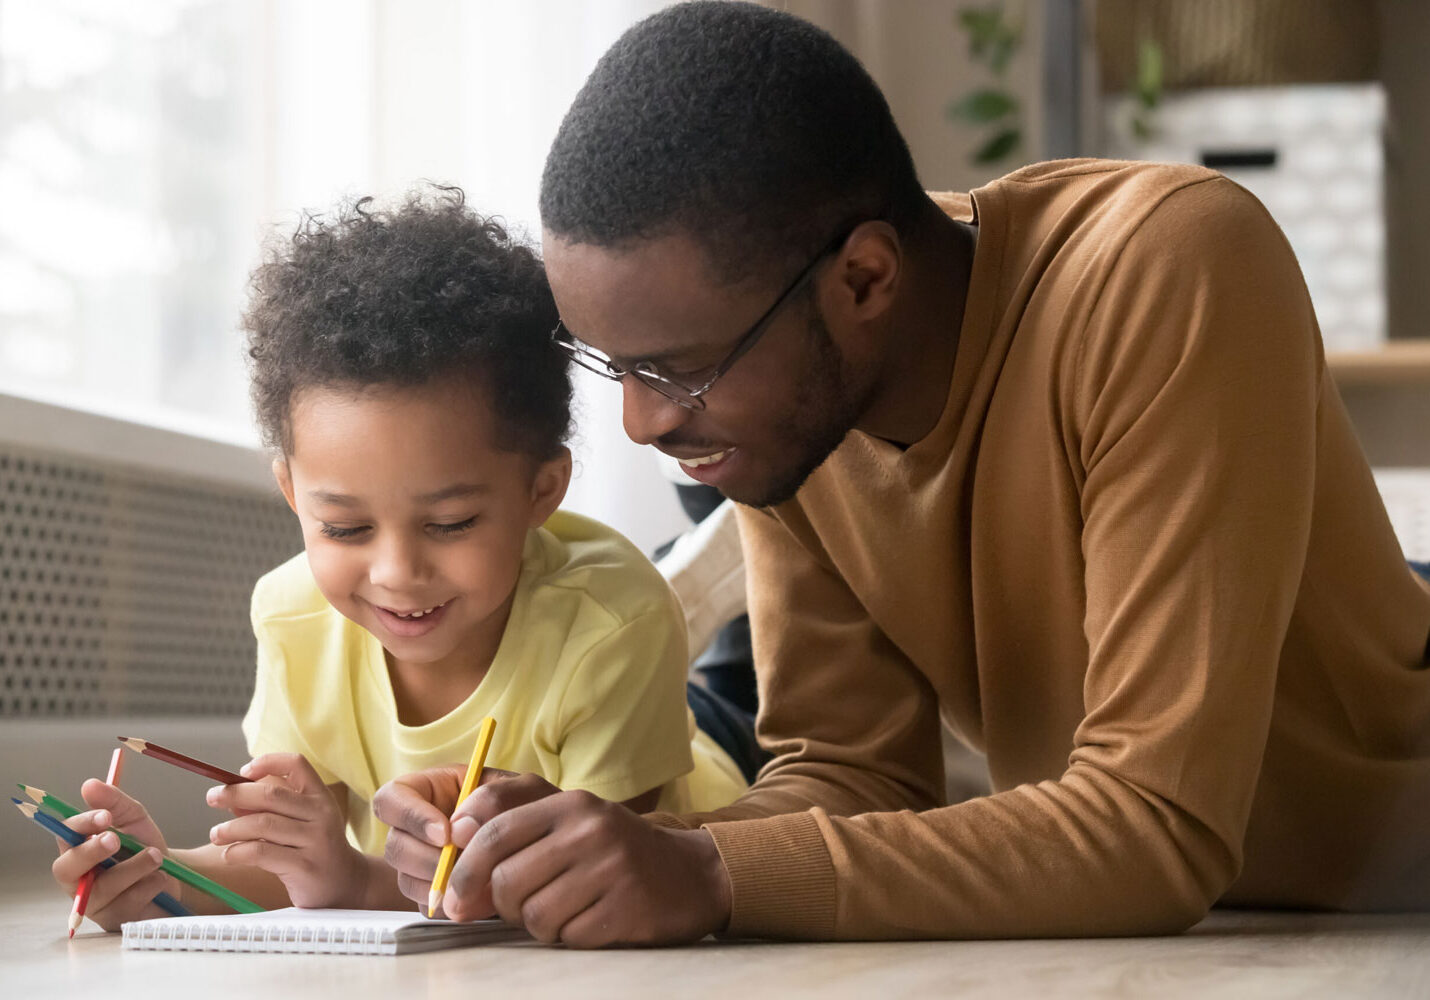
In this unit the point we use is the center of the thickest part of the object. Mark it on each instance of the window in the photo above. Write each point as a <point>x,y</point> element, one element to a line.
<point>125,158</point>
<point>147,149</point>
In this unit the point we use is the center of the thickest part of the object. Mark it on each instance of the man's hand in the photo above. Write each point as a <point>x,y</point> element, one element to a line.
<point>567,866</point>
<point>288,823</point>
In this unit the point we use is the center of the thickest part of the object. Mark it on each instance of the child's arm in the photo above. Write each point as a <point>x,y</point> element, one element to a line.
<point>291,828</point>
<point>267,889</point>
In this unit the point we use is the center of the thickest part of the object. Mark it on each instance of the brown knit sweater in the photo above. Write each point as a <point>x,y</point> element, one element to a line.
<point>1140,562</point>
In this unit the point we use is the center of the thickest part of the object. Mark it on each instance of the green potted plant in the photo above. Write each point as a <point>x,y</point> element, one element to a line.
<point>993,39</point>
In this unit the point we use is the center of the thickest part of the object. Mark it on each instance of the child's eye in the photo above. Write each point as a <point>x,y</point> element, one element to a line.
<point>455,528</point>
<point>333,531</point>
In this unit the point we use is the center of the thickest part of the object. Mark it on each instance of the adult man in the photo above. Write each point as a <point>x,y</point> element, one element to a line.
<point>1062,463</point>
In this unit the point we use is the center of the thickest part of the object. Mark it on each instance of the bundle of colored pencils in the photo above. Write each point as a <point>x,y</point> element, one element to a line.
<point>53,821</point>
<point>50,823</point>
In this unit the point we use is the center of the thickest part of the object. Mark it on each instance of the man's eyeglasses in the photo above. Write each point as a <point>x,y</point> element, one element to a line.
<point>672,389</point>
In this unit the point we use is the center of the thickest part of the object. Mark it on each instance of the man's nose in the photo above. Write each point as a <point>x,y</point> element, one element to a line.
<point>646,414</point>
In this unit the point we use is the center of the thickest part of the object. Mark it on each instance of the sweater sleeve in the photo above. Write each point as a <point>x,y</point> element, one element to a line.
<point>1192,410</point>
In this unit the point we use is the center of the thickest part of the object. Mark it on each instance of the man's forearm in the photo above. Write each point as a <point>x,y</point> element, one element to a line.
<point>837,789</point>
<point>1087,855</point>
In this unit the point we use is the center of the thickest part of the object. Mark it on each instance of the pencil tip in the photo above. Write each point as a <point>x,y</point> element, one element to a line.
<point>76,918</point>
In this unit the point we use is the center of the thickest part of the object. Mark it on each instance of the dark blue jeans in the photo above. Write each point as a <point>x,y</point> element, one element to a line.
<point>724,701</point>
<point>730,726</point>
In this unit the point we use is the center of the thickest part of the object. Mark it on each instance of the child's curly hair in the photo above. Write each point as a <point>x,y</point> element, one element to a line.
<point>403,297</point>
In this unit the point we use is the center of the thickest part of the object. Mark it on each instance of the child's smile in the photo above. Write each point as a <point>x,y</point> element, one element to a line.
<point>414,519</point>
<point>413,623</point>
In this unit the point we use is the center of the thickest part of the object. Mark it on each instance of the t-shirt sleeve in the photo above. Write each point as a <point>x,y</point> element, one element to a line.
<point>625,727</point>
<point>269,725</point>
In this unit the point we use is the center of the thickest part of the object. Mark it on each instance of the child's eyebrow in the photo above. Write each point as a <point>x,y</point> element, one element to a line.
<point>454,492</point>
<point>334,499</point>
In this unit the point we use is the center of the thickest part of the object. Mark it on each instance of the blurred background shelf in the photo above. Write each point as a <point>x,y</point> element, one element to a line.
<point>1387,392</point>
<point>1395,363</point>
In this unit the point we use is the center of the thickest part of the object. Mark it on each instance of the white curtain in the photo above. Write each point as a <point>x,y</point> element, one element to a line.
<point>464,93</point>
<point>146,149</point>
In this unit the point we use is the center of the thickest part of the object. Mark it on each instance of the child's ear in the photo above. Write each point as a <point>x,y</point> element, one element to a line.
<point>548,487</point>
<point>285,480</point>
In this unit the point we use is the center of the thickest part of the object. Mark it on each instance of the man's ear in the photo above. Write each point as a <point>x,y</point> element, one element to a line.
<point>868,270</point>
<point>548,487</point>
<point>285,481</point>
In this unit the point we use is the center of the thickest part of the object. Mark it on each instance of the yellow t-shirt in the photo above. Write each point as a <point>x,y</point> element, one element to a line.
<point>587,685</point>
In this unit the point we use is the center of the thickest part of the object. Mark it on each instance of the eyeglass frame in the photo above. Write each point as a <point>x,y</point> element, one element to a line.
<point>649,376</point>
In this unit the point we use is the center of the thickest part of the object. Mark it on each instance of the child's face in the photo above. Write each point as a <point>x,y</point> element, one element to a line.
<point>414,522</point>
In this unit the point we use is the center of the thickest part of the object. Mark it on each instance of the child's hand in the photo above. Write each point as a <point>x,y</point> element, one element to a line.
<point>415,807</point>
<point>290,824</point>
<point>126,891</point>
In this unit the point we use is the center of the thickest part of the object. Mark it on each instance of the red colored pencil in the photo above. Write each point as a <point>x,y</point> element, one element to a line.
<point>86,881</point>
<point>188,763</point>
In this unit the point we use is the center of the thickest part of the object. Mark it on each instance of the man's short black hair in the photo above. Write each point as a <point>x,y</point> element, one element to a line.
<point>425,291</point>
<point>747,128</point>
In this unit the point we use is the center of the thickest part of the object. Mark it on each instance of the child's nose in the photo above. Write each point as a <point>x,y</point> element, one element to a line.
<point>397,564</point>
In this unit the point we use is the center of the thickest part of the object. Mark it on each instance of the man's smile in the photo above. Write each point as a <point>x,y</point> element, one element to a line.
<point>709,459</point>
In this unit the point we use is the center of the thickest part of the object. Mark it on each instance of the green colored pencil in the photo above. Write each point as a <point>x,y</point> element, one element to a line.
<point>180,871</point>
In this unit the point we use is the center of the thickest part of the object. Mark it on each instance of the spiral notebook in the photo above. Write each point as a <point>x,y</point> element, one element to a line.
<point>323,932</point>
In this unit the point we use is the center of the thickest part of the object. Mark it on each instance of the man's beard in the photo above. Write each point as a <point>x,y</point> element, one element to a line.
<point>824,411</point>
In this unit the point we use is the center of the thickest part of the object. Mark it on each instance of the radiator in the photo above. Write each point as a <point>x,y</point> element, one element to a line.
<point>127,556</point>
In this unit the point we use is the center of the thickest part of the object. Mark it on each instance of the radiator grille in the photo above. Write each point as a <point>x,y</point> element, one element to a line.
<point>126,592</point>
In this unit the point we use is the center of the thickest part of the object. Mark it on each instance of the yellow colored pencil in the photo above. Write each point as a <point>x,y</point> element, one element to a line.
<point>469,784</point>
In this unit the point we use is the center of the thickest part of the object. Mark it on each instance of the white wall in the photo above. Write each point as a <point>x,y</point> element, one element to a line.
<point>469,94</point>
<point>918,54</point>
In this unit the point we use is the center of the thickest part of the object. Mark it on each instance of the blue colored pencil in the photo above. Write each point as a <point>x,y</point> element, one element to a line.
<point>164,901</point>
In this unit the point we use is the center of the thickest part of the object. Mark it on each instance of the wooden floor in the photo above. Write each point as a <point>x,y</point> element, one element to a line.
<point>1230,955</point>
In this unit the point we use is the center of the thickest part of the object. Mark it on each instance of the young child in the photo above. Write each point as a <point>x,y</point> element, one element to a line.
<point>404,376</point>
